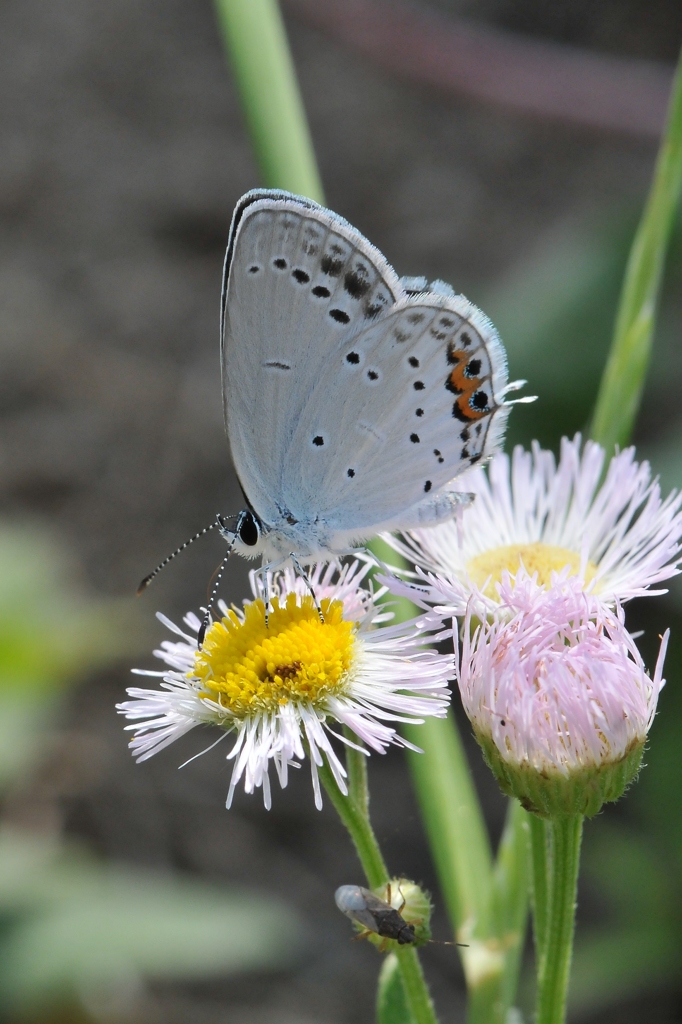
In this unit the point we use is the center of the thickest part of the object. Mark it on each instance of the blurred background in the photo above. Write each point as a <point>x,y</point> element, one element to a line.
<point>505,146</point>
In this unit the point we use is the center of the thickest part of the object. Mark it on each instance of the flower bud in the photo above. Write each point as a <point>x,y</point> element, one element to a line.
<point>558,697</point>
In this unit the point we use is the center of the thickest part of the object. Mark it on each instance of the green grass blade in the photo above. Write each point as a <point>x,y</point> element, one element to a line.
<point>623,380</point>
<point>255,38</point>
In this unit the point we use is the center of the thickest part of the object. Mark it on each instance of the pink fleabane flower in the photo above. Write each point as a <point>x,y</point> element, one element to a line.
<point>558,695</point>
<point>278,688</point>
<point>619,537</point>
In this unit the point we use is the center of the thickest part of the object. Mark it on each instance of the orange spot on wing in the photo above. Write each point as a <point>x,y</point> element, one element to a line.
<point>464,386</point>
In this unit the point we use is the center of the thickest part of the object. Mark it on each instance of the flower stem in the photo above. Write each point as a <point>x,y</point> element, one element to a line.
<point>356,766</point>
<point>359,828</point>
<point>554,968</point>
<point>254,35</point>
<point>539,882</point>
<point>414,983</point>
<point>357,822</point>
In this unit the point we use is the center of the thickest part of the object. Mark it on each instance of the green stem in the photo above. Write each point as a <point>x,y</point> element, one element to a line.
<point>454,823</point>
<point>414,983</point>
<point>623,380</point>
<point>540,883</point>
<point>566,833</point>
<point>496,957</point>
<point>254,36</point>
<point>375,869</point>
<point>359,829</point>
<point>510,901</point>
<point>356,766</point>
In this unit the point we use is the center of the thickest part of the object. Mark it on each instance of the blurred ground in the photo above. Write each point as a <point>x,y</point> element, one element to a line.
<point>123,155</point>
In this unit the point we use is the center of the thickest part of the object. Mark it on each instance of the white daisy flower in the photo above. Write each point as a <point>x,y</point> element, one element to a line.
<point>619,537</point>
<point>278,688</point>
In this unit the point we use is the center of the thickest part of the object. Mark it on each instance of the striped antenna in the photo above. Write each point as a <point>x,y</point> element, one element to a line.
<point>217,525</point>
<point>206,621</point>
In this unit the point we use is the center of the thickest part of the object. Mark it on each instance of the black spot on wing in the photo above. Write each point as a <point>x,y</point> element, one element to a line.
<point>277,365</point>
<point>319,440</point>
<point>353,358</point>
<point>373,375</point>
<point>427,486</point>
<point>331,265</point>
<point>356,281</point>
<point>479,400</point>
<point>473,368</point>
<point>340,316</point>
<point>350,473</point>
<point>320,292</point>
<point>413,361</point>
<point>280,263</point>
<point>419,385</point>
<point>254,268</point>
<point>419,412</point>
<point>414,438</point>
<point>376,304</point>
<point>301,276</point>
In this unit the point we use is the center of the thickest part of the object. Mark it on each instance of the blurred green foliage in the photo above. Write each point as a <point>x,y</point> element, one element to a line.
<point>555,312</point>
<point>69,924</point>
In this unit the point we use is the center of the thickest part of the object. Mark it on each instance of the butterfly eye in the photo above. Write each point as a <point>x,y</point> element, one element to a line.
<point>248,529</point>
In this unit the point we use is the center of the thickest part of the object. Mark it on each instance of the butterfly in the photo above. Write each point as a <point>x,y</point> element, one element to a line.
<point>352,398</point>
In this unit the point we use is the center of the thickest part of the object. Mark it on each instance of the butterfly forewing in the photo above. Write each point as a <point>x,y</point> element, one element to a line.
<point>299,283</point>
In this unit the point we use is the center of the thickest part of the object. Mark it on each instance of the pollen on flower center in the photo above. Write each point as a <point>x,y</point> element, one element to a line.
<point>538,557</point>
<point>247,667</point>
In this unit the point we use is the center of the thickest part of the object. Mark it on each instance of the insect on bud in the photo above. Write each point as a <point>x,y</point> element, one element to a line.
<point>395,914</point>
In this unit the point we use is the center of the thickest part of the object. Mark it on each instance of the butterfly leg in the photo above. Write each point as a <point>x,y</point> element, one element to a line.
<point>306,579</point>
<point>263,572</point>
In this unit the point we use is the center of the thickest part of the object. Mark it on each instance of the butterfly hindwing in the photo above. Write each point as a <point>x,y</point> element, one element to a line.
<point>413,405</point>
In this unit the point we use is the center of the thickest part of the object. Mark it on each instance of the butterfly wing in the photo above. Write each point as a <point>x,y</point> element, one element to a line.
<point>418,400</point>
<point>350,400</point>
<point>298,282</point>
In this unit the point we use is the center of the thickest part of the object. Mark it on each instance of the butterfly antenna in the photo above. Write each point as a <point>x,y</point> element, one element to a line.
<point>306,579</point>
<point>218,525</point>
<point>206,621</point>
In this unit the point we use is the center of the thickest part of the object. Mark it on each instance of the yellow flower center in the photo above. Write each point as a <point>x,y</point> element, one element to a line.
<point>248,668</point>
<point>540,558</point>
